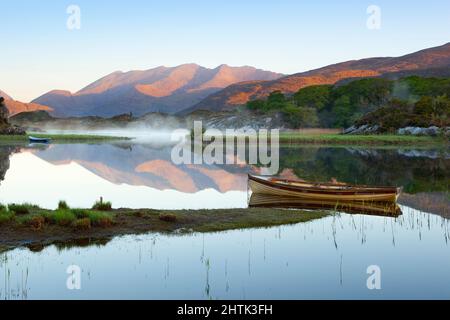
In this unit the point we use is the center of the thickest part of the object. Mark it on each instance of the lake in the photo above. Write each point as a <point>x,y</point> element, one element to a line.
<point>325,258</point>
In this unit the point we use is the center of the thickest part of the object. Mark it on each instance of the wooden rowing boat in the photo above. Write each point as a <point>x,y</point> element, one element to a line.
<point>390,209</point>
<point>336,192</point>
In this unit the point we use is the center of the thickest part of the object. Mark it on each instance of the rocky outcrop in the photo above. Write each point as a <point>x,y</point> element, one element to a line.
<point>5,127</point>
<point>432,131</point>
<point>418,131</point>
<point>364,129</point>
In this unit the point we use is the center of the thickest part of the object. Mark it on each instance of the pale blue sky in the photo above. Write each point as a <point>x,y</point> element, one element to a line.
<point>39,53</point>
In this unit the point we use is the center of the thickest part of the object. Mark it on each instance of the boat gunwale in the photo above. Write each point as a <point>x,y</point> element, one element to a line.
<point>351,190</point>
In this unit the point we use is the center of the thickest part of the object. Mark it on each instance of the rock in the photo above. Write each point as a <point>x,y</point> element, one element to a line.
<point>12,130</point>
<point>364,129</point>
<point>349,130</point>
<point>433,131</point>
<point>418,131</point>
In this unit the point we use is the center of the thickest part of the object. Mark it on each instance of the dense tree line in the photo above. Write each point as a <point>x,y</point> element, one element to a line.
<point>416,100</point>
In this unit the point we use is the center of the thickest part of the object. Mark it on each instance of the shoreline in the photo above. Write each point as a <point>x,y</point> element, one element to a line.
<point>62,138</point>
<point>381,139</point>
<point>40,228</point>
<point>286,138</point>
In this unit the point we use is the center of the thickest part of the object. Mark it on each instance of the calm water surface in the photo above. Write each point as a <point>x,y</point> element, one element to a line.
<point>326,258</point>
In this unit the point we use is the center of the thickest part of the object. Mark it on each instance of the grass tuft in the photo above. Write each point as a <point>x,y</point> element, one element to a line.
<point>5,215</point>
<point>82,224</point>
<point>102,206</point>
<point>62,217</point>
<point>100,219</point>
<point>24,208</point>
<point>36,221</point>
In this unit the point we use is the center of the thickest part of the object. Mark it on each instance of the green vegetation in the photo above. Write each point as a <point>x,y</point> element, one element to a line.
<point>411,101</point>
<point>5,215</point>
<point>27,214</point>
<point>296,116</point>
<point>380,139</point>
<point>71,224</point>
<point>24,208</point>
<point>61,138</point>
<point>427,111</point>
<point>63,205</point>
<point>61,217</point>
<point>370,166</point>
<point>102,206</point>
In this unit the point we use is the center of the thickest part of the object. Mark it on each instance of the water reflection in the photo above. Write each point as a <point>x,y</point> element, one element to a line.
<point>326,258</point>
<point>81,173</point>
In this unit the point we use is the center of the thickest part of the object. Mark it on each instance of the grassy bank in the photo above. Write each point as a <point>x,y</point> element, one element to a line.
<point>381,139</point>
<point>61,138</point>
<point>27,224</point>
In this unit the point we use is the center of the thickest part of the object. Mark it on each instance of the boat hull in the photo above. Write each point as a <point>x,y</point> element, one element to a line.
<point>327,193</point>
<point>39,140</point>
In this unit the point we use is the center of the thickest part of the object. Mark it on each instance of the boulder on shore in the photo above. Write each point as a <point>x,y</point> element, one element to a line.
<point>432,131</point>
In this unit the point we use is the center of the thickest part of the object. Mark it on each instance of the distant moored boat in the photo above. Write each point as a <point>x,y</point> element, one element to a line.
<point>39,140</point>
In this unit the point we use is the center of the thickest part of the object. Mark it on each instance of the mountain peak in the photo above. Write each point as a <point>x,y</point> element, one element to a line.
<point>5,96</point>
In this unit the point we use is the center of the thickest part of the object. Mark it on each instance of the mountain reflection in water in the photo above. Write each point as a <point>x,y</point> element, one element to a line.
<point>136,174</point>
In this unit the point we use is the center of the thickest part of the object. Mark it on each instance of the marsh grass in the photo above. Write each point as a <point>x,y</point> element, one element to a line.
<point>82,224</point>
<point>5,215</point>
<point>24,208</point>
<point>62,217</point>
<point>36,221</point>
<point>101,219</point>
<point>102,206</point>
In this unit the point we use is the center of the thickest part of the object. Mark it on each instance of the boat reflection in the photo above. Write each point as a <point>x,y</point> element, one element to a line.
<point>387,209</point>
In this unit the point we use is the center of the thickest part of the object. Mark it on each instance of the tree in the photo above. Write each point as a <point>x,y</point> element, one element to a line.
<point>313,97</point>
<point>343,110</point>
<point>3,112</point>
<point>256,105</point>
<point>276,101</point>
<point>300,116</point>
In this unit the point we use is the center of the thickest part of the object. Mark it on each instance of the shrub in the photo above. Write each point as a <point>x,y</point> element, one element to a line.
<point>139,214</point>
<point>100,219</point>
<point>82,224</point>
<point>63,205</point>
<point>167,217</point>
<point>80,213</point>
<point>36,222</point>
<point>24,208</point>
<point>5,215</point>
<point>102,206</point>
<point>63,217</point>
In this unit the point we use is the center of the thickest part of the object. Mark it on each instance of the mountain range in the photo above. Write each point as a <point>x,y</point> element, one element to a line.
<point>429,62</point>
<point>162,89</point>
<point>190,87</point>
